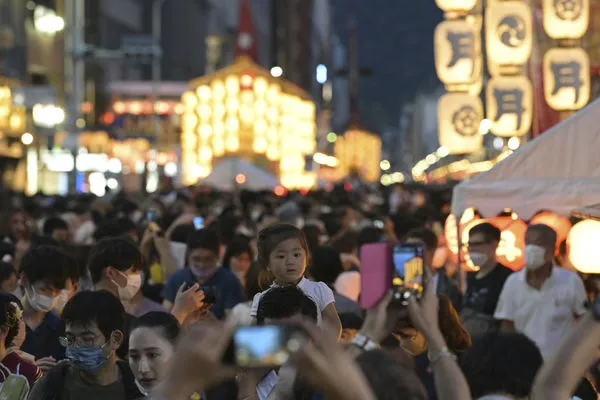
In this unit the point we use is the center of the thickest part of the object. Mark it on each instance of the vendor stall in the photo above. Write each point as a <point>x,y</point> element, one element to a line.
<point>558,171</point>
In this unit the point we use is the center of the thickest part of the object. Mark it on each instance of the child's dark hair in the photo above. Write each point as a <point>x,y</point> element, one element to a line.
<point>6,271</point>
<point>165,322</point>
<point>285,302</point>
<point>270,237</point>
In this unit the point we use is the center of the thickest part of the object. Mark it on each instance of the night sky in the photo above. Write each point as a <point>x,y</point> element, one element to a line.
<point>395,40</point>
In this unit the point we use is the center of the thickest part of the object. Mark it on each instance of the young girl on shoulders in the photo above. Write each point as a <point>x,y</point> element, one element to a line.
<point>283,253</point>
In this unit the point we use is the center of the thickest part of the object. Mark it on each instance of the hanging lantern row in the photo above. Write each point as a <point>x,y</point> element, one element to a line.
<point>509,93</point>
<point>566,69</point>
<point>459,65</point>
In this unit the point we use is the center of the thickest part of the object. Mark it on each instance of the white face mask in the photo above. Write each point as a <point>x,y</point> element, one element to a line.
<point>39,302</point>
<point>61,301</point>
<point>137,216</point>
<point>534,257</point>
<point>134,283</point>
<point>478,259</point>
<point>255,214</point>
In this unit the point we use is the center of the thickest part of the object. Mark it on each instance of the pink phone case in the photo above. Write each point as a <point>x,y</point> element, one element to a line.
<point>376,273</point>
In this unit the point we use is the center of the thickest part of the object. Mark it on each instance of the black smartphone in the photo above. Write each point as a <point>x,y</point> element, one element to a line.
<point>210,292</point>
<point>407,274</point>
<point>265,346</point>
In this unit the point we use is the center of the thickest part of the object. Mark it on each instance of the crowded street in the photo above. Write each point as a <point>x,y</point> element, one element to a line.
<point>299,200</point>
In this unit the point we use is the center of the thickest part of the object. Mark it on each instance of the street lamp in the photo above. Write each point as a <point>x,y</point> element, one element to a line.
<point>47,115</point>
<point>27,139</point>
<point>276,72</point>
<point>46,21</point>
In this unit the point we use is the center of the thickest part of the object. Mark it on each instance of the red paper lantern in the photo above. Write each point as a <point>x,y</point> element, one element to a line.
<point>561,225</point>
<point>512,243</point>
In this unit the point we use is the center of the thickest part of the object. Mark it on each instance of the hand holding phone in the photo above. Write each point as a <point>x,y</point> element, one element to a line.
<point>210,292</point>
<point>386,266</point>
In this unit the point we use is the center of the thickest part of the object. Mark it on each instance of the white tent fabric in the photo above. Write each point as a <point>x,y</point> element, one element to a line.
<point>558,171</point>
<point>224,173</point>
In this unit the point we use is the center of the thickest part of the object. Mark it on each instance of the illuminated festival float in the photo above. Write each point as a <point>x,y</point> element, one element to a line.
<point>243,112</point>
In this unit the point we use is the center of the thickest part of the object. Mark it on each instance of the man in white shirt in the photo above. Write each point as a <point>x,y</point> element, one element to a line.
<point>541,301</point>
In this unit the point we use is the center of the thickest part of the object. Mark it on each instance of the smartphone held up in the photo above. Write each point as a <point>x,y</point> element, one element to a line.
<point>198,223</point>
<point>388,266</point>
<point>264,346</point>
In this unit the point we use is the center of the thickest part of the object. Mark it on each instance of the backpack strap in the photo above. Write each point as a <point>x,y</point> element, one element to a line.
<point>54,381</point>
<point>131,390</point>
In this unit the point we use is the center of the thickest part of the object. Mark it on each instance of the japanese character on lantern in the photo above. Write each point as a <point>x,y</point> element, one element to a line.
<point>509,102</point>
<point>567,78</point>
<point>463,47</point>
<point>457,52</point>
<point>567,75</point>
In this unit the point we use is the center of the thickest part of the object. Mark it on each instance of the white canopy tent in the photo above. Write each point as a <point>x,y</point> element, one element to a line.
<point>558,171</point>
<point>224,173</point>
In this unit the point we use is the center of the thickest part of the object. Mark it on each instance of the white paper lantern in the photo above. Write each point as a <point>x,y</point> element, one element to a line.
<point>584,246</point>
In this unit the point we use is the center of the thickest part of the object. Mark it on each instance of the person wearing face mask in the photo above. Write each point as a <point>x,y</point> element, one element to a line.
<point>139,305</point>
<point>115,266</point>
<point>485,285</point>
<point>204,271</point>
<point>44,273</point>
<point>541,301</point>
<point>94,330</point>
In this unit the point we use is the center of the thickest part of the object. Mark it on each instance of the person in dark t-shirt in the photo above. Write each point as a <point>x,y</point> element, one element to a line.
<point>485,285</point>
<point>44,273</point>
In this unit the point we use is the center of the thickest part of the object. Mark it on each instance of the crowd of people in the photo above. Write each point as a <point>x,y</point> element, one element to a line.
<point>132,298</point>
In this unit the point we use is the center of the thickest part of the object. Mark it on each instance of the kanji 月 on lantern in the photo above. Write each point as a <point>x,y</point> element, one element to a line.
<point>459,117</point>
<point>561,225</point>
<point>458,59</point>
<point>566,19</point>
<point>584,252</point>
<point>508,33</point>
<point>509,105</point>
<point>567,80</point>
<point>456,5</point>
<point>511,249</point>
